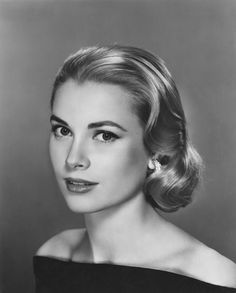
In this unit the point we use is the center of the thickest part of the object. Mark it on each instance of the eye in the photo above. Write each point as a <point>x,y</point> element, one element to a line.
<point>60,131</point>
<point>106,136</point>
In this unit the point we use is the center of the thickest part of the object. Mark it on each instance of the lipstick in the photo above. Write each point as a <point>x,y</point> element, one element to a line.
<point>75,185</point>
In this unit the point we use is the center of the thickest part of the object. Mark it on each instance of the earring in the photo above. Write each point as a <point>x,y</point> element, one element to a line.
<point>154,165</point>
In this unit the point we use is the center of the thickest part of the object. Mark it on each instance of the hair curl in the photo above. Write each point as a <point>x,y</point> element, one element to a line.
<point>158,106</point>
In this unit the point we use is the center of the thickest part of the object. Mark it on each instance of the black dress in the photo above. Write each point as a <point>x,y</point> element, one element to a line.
<point>58,276</point>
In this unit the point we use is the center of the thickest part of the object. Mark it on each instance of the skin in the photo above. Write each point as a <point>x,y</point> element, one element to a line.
<point>116,207</point>
<point>121,227</point>
<point>114,158</point>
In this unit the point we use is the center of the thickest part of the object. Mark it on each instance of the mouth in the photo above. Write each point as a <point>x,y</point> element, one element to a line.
<point>79,185</point>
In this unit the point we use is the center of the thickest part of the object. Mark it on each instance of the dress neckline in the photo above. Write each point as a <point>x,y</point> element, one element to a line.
<point>122,266</point>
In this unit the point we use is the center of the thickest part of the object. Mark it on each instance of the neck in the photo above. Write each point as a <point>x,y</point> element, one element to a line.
<point>113,231</point>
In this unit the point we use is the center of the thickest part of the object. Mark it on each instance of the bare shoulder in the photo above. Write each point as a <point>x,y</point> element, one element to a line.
<point>195,259</point>
<point>208,265</point>
<point>61,245</point>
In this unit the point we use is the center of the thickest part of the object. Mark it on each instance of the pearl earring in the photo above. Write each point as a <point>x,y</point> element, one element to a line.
<point>154,165</point>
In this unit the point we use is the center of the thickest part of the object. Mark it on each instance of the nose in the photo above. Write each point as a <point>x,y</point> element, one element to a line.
<point>77,157</point>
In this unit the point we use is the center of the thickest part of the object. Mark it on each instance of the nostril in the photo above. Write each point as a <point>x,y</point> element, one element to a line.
<point>78,164</point>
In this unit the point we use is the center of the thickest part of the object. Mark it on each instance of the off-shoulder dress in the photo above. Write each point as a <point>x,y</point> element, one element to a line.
<point>54,275</point>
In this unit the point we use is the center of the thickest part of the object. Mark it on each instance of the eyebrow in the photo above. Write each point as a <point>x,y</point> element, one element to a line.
<point>105,123</point>
<point>57,119</point>
<point>91,125</point>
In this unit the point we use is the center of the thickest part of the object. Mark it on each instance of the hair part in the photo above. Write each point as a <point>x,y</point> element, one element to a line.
<point>158,106</point>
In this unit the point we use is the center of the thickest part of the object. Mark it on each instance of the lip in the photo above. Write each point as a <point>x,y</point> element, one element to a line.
<point>77,185</point>
<point>79,181</point>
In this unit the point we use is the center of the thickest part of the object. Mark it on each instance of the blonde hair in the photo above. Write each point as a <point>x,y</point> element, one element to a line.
<point>157,104</point>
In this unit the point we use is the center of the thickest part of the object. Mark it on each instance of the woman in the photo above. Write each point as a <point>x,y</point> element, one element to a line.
<point>120,152</point>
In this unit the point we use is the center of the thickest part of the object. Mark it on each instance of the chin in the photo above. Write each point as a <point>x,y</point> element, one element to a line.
<point>79,206</point>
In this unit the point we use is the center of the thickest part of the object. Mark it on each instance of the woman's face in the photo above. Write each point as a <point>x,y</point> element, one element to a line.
<point>96,137</point>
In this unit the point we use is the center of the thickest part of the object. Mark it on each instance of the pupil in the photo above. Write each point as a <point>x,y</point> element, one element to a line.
<point>106,136</point>
<point>64,131</point>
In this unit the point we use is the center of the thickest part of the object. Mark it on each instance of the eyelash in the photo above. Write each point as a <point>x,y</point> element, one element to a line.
<point>55,129</point>
<point>113,136</point>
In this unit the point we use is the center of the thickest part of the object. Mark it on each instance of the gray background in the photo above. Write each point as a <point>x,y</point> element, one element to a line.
<point>198,41</point>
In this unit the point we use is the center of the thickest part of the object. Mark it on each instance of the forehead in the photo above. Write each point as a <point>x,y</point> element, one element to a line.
<point>92,101</point>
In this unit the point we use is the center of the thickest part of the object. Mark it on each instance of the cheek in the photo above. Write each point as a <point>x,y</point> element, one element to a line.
<point>56,154</point>
<point>135,158</point>
<point>52,154</point>
<point>127,162</point>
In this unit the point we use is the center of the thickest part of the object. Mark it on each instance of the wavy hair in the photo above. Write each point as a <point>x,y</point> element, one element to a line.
<point>156,102</point>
